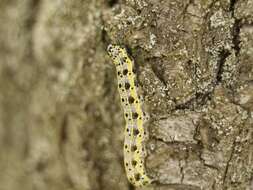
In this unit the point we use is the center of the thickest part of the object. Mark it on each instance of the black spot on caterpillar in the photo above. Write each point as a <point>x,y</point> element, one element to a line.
<point>127,86</point>
<point>135,115</point>
<point>125,71</point>
<point>135,132</point>
<point>131,100</point>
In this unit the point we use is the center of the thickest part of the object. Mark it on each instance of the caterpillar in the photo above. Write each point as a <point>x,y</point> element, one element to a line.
<point>135,117</point>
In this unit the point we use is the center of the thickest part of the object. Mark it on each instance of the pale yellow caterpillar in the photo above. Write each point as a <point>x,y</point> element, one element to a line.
<point>135,134</point>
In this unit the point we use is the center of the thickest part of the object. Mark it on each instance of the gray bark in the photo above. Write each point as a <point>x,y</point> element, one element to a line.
<point>61,125</point>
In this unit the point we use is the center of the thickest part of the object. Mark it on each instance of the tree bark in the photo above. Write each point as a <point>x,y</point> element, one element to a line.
<point>61,124</point>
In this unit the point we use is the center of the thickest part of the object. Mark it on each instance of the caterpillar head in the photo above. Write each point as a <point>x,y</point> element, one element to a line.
<point>113,50</point>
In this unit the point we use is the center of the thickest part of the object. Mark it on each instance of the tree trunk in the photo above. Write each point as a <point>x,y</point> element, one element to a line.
<point>61,124</point>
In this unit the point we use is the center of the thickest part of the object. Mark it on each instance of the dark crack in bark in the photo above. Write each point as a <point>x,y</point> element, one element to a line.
<point>181,171</point>
<point>236,28</point>
<point>63,134</point>
<point>222,59</point>
<point>228,164</point>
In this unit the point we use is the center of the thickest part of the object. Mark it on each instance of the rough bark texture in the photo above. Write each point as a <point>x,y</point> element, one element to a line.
<point>61,125</point>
